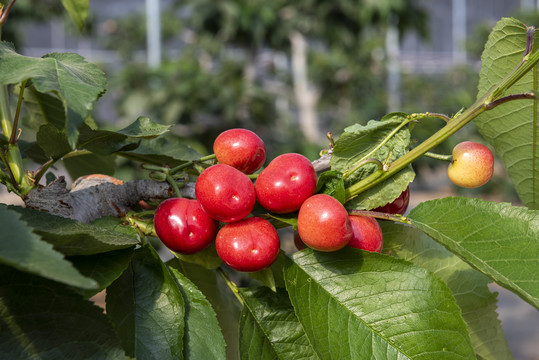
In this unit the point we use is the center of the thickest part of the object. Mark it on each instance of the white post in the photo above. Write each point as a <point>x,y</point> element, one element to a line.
<point>153,33</point>
<point>459,30</point>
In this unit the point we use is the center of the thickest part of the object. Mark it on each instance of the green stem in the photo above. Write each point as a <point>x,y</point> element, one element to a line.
<point>13,138</point>
<point>174,185</point>
<point>232,285</point>
<point>478,107</point>
<point>380,215</point>
<point>174,170</point>
<point>438,156</point>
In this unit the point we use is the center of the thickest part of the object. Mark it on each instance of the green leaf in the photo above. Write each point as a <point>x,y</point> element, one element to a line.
<point>90,164</point>
<point>265,276</point>
<point>143,127</point>
<point>72,237</point>
<point>103,268</point>
<point>206,258</point>
<point>67,75</point>
<point>469,286</point>
<point>511,128</point>
<point>41,319</point>
<point>44,108</point>
<point>359,305</point>
<point>104,142</point>
<point>77,10</point>
<point>500,240</point>
<point>162,150</point>
<point>203,337</point>
<point>269,329</point>
<point>147,308</point>
<point>273,276</point>
<point>384,140</point>
<point>331,183</point>
<point>225,304</point>
<point>53,141</point>
<point>24,250</point>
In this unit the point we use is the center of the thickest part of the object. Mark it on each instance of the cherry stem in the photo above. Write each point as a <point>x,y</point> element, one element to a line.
<point>439,156</point>
<point>189,163</point>
<point>4,12</point>
<point>380,215</point>
<point>14,137</point>
<point>174,185</point>
<point>525,96</point>
<point>232,285</point>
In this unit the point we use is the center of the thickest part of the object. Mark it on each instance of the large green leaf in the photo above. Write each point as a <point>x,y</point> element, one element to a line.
<point>147,309</point>
<point>203,337</point>
<point>511,128</point>
<point>162,150</point>
<point>359,305</point>
<point>68,75</point>
<point>500,240</point>
<point>44,108</point>
<point>72,237</point>
<point>385,141</point>
<point>41,319</point>
<point>269,329</point>
<point>221,298</point>
<point>77,10</point>
<point>469,286</point>
<point>24,250</point>
<point>143,127</point>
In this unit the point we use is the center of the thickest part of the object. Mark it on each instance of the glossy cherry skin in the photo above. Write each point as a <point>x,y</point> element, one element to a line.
<point>397,206</point>
<point>251,244</point>
<point>225,193</point>
<point>183,226</point>
<point>472,165</point>
<point>367,234</point>
<point>286,183</point>
<point>324,224</point>
<point>241,149</point>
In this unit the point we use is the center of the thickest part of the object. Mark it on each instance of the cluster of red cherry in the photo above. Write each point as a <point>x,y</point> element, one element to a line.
<point>225,193</point>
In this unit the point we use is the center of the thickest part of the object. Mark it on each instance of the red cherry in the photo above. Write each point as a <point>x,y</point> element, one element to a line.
<point>183,226</point>
<point>397,206</point>
<point>367,234</point>
<point>286,183</point>
<point>225,193</point>
<point>324,224</point>
<point>241,149</point>
<point>250,244</point>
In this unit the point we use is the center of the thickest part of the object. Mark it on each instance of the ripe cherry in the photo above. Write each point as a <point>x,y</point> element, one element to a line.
<point>286,183</point>
<point>397,206</point>
<point>472,165</point>
<point>324,224</point>
<point>241,149</point>
<point>367,234</point>
<point>225,193</point>
<point>183,226</point>
<point>251,244</point>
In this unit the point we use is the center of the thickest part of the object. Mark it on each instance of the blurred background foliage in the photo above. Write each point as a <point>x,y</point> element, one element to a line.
<point>289,70</point>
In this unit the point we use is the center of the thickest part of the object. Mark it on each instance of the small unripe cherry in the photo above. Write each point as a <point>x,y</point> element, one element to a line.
<point>241,149</point>
<point>367,234</point>
<point>225,193</point>
<point>183,226</point>
<point>285,183</point>
<point>251,244</point>
<point>324,224</point>
<point>472,165</point>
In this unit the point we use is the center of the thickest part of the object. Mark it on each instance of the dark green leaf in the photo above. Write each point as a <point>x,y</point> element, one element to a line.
<point>44,108</point>
<point>273,276</point>
<point>221,298</point>
<point>147,308</point>
<point>203,337</point>
<point>103,142</point>
<point>265,277</point>
<point>103,268</point>
<point>143,127</point>
<point>331,183</point>
<point>206,258</point>
<point>89,164</point>
<point>359,305</point>
<point>40,319</point>
<point>283,220</point>
<point>269,329</point>
<point>77,10</point>
<point>53,141</point>
<point>469,286</point>
<point>500,240</point>
<point>24,250</point>
<point>161,151</point>
<point>511,128</point>
<point>72,237</point>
